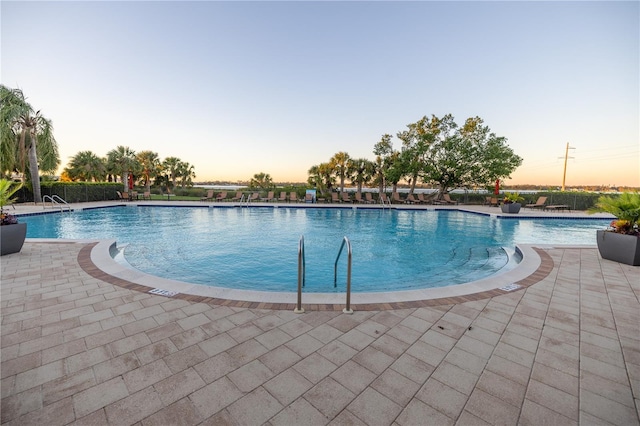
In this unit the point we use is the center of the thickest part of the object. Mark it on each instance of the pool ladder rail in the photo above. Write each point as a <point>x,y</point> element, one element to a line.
<point>56,202</point>
<point>302,273</point>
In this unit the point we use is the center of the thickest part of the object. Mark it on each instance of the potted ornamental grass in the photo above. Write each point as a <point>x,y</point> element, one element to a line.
<point>621,241</point>
<point>511,203</point>
<point>12,233</point>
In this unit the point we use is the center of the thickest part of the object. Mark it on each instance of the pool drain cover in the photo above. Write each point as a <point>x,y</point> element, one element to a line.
<point>162,292</point>
<point>510,287</point>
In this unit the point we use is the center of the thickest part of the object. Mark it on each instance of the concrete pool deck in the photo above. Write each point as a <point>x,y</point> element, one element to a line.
<point>78,349</point>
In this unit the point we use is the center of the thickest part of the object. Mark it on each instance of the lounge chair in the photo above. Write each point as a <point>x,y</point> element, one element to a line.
<point>538,204</point>
<point>396,198</point>
<point>446,199</point>
<point>208,197</point>
<point>293,197</point>
<point>428,199</point>
<point>253,197</point>
<point>384,199</point>
<point>283,197</point>
<point>123,197</point>
<point>335,198</point>
<point>269,197</point>
<point>346,198</point>
<point>308,198</point>
<point>237,197</point>
<point>221,196</point>
<point>411,199</point>
<point>368,198</point>
<point>146,195</point>
<point>358,198</point>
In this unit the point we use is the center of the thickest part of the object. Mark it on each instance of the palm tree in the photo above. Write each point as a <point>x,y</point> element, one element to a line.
<point>339,164</point>
<point>122,161</point>
<point>361,171</point>
<point>171,168</point>
<point>26,135</point>
<point>150,163</point>
<point>262,181</point>
<point>86,166</point>
<point>186,173</point>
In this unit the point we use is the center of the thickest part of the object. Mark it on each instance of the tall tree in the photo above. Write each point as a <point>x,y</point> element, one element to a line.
<point>340,165</point>
<point>86,166</point>
<point>386,156</point>
<point>261,181</point>
<point>467,156</point>
<point>171,167</point>
<point>26,136</point>
<point>186,173</point>
<point>150,167</point>
<point>415,143</point>
<point>321,177</point>
<point>122,161</point>
<point>361,172</point>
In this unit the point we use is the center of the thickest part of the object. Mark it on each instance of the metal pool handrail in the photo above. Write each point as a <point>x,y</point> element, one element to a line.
<point>345,240</point>
<point>301,275</point>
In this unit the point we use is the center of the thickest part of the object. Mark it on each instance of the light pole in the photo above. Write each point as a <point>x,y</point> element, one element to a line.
<point>566,156</point>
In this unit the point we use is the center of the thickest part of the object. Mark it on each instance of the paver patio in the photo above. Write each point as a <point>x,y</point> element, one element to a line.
<point>76,349</point>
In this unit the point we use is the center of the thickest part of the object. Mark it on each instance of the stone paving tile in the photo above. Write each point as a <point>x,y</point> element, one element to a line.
<point>81,350</point>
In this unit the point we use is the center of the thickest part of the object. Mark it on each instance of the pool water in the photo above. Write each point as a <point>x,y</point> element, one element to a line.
<point>257,248</point>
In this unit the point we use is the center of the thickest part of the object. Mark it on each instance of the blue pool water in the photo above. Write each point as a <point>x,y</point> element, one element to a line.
<point>257,248</point>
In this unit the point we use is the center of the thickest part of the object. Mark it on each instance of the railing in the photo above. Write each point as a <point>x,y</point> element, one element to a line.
<point>55,201</point>
<point>345,241</point>
<point>301,275</point>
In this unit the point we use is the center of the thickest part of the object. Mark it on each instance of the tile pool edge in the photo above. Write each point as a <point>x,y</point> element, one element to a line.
<point>96,259</point>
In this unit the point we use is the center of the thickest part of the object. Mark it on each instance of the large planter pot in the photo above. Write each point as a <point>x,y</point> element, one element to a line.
<point>12,238</point>
<point>511,208</point>
<point>619,247</point>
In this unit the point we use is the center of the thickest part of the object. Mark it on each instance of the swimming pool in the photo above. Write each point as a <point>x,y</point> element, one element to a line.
<point>256,248</point>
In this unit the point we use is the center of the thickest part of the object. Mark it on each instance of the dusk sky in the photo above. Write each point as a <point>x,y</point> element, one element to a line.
<point>237,88</point>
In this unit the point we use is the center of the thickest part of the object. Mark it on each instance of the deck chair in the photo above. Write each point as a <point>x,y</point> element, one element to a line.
<point>368,198</point>
<point>411,199</point>
<point>538,204</point>
<point>269,197</point>
<point>396,198</point>
<point>358,198</point>
<point>146,195</point>
<point>123,197</point>
<point>208,197</point>
<point>283,197</point>
<point>345,197</point>
<point>428,199</point>
<point>237,197</point>
<point>221,196</point>
<point>384,199</point>
<point>335,198</point>
<point>446,199</point>
<point>293,197</point>
<point>253,197</point>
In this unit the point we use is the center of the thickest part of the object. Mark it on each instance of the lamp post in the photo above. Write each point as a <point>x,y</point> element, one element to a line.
<point>566,156</point>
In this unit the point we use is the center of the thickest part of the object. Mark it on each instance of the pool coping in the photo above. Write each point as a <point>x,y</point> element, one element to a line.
<point>96,259</point>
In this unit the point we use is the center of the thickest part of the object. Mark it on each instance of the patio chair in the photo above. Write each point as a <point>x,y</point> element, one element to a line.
<point>368,198</point>
<point>123,197</point>
<point>411,199</point>
<point>346,198</point>
<point>221,196</point>
<point>446,199</point>
<point>396,198</point>
<point>253,197</point>
<point>538,204</point>
<point>293,197</point>
<point>335,198</point>
<point>269,197</point>
<point>283,197</point>
<point>146,195</point>
<point>358,198</point>
<point>428,199</point>
<point>237,197</point>
<point>384,199</point>
<point>207,197</point>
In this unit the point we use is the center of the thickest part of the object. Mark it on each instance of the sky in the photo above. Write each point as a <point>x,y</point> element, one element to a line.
<point>239,88</point>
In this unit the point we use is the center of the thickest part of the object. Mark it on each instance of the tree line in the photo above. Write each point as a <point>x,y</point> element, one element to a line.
<point>434,151</point>
<point>28,148</point>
